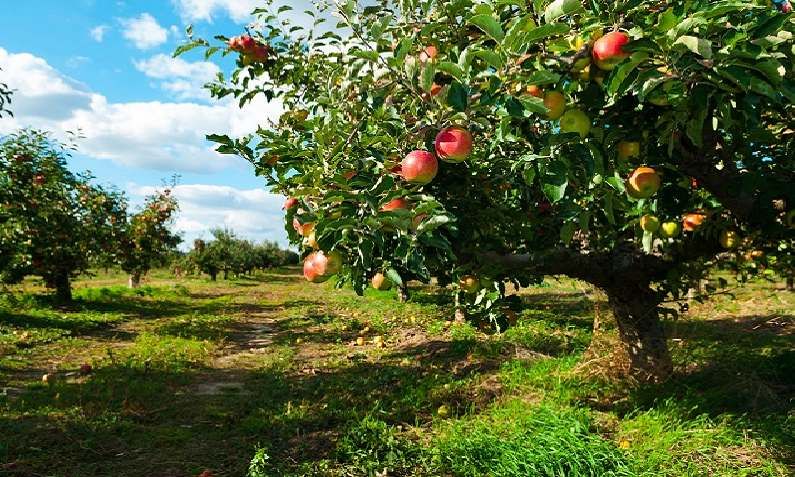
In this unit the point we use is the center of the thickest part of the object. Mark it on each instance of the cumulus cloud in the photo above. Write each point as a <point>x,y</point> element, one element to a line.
<point>143,31</point>
<point>98,32</point>
<point>203,10</point>
<point>164,136</point>
<point>253,213</point>
<point>182,78</point>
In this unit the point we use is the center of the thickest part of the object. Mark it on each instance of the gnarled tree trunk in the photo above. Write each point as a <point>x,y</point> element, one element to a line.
<point>642,333</point>
<point>135,280</point>
<point>63,287</point>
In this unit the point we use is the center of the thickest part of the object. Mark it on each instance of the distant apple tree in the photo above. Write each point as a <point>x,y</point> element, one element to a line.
<point>635,145</point>
<point>53,223</point>
<point>148,240</point>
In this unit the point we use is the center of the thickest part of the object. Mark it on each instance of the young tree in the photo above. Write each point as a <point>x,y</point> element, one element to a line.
<point>53,223</point>
<point>491,142</point>
<point>148,240</point>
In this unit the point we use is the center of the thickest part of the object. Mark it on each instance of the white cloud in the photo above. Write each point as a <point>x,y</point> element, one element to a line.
<point>98,32</point>
<point>253,213</point>
<point>182,78</point>
<point>164,136</point>
<point>144,31</point>
<point>203,10</point>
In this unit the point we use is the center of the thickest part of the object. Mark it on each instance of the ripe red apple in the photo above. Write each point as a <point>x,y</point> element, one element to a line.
<point>39,179</point>
<point>628,150</point>
<point>577,121</point>
<point>608,51</point>
<point>428,54</point>
<point>435,90</point>
<point>453,144</point>
<point>643,183</point>
<point>395,204</point>
<point>534,90</point>
<point>319,267</point>
<point>381,282</point>
<point>290,204</point>
<point>692,221</point>
<point>555,102</point>
<point>419,167</point>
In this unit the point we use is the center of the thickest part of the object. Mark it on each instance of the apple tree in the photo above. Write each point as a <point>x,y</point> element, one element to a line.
<point>635,145</point>
<point>53,223</point>
<point>148,240</point>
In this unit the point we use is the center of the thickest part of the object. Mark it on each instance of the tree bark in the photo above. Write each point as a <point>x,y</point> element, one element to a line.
<point>403,294</point>
<point>642,333</point>
<point>135,280</point>
<point>213,275</point>
<point>63,288</point>
<point>226,274</point>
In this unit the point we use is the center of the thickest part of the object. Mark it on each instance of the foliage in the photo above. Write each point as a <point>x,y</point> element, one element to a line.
<point>229,254</point>
<point>148,240</point>
<point>703,91</point>
<point>52,222</point>
<point>5,99</point>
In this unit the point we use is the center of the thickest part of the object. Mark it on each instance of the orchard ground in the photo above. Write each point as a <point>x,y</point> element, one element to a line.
<point>263,377</point>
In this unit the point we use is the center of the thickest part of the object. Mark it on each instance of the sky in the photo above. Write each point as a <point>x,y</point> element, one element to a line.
<point>104,68</point>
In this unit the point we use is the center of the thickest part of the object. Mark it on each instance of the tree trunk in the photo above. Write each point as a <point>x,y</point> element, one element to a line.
<point>226,274</point>
<point>135,280</point>
<point>213,275</point>
<point>790,283</point>
<point>642,333</point>
<point>63,288</point>
<point>403,294</point>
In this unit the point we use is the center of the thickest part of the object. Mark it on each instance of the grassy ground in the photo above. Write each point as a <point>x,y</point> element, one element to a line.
<point>264,377</point>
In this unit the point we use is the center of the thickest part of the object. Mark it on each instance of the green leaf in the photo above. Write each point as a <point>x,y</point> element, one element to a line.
<point>697,45</point>
<point>491,57</point>
<point>515,33</point>
<point>559,8</point>
<point>393,275</point>
<point>489,25</point>
<point>555,180</point>
<point>451,69</point>
<point>648,241</point>
<point>567,232</point>
<point>533,104</point>
<point>457,96</point>
<point>542,32</point>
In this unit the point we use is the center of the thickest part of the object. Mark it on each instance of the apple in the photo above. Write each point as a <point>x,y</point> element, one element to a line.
<point>303,229</point>
<point>381,282</point>
<point>419,167</point>
<point>39,179</point>
<point>555,102</point>
<point>669,229</point>
<point>395,204</point>
<point>692,221</point>
<point>649,223</point>
<point>435,90</point>
<point>290,204</point>
<point>534,90</point>
<point>319,267</point>
<point>453,144</point>
<point>469,284</point>
<point>729,239</point>
<point>577,121</point>
<point>643,183</point>
<point>628,150</point>
<point>310,240</point>
<point>608,51</point>
<point>428,54</point>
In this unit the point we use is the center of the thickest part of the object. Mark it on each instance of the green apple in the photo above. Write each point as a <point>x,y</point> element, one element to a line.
<point>669,229</point>
<point>577,121</point>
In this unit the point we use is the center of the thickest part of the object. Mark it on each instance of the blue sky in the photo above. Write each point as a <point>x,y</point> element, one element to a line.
<point>105,67</point>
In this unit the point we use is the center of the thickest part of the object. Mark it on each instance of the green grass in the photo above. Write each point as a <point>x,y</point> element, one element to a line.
<point>262,376</point>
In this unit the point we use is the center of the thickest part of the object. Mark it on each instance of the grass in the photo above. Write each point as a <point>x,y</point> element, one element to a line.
<point>263,376</point>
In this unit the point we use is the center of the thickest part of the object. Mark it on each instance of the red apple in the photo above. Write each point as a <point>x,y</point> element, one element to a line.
<point>453,144</point>
<point>428,54</point>
<point>534,90</point>
<point>319,267</point>
<point>290,204</point>
<point>643,183</point>
<point>395,204</point>
<point>349,175</point>
<point>419,167</point>
<point>692,221</point>
<point>39,179</point>
<point>555,102</point>
<point>608,51</point>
